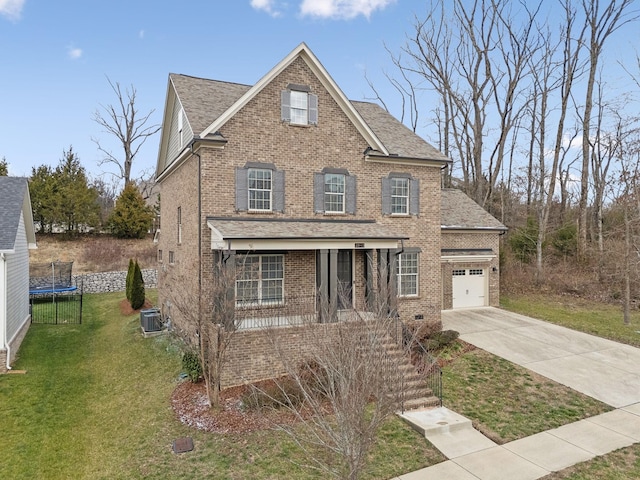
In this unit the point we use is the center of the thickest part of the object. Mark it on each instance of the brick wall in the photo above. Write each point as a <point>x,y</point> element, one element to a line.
<point>467,240</point>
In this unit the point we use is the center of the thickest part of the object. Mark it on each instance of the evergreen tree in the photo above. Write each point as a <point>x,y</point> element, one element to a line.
<point>4,167</point>
<point>131,217</point>
<point>137,288</point>
<point>41,190</point>
<point>129,282</point>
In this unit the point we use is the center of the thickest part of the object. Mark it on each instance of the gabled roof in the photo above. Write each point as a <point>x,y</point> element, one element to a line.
<point>459,212</point>
<point>209,104</point>
<point>14,192</point>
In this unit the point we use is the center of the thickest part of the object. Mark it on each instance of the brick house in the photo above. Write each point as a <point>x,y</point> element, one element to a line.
<point>319,201</point>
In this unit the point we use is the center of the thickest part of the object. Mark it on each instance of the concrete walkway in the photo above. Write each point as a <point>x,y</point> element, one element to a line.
<point>600,368</point>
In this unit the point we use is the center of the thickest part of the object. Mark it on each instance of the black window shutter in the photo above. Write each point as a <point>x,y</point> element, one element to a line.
<point>313,109</point>
<point>386,196</point>
<point>242,189</point>
<point>414,196</point>
<point>278,191</point>
<point>285,105</point>
<point>350,187</point>
<point>318,192</point>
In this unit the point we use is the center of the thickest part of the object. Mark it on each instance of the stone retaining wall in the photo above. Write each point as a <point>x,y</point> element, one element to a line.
<point>113,281</point>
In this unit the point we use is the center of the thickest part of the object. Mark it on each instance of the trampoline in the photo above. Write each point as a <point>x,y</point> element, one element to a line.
<point>51,278</point>
<point>53,295</point>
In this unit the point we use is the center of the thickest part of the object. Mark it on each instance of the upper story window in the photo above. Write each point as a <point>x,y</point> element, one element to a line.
<point>181,127</point>
<point>259,188</point>
<point>299,106</point>
<point>400,194</point>
<point>334,191</point>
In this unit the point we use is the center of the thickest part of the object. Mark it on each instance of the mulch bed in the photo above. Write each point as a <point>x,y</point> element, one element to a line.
<point>126,310</point>
<point>189,402</point>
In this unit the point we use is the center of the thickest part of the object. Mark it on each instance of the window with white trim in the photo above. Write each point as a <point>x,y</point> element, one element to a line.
<point>407,268</point>
<point>399,196</point>
<point>172,259</point>
<point>260,188</point>
<point>334,191</point>
<point>260,280</point>
<point>476,271</point>
<point>299,106</point>
<point>459,273</point>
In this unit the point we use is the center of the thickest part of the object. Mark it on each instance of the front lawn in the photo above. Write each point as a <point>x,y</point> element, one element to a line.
<point>95,403</point>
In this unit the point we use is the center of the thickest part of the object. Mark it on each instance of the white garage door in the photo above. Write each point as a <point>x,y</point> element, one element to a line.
<point>469,287</point>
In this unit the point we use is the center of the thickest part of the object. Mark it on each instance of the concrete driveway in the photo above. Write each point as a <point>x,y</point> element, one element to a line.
<point>606,370</point>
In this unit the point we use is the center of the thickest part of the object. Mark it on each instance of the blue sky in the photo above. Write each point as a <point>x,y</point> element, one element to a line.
<point>56,56</point>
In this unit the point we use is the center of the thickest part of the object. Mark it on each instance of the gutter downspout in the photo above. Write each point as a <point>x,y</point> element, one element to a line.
<point>199,228</point>
<point>3,307</point>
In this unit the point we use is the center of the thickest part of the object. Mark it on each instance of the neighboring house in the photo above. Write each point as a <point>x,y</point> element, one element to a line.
<point>17,236</point>
<point>323,203</point>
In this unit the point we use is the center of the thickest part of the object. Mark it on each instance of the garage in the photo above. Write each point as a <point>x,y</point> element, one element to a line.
<point>469,286</point>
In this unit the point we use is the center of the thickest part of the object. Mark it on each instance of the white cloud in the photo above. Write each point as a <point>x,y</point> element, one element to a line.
<point>74,53</point>
<point>342,9</point>
<point>272,7</point>
<point>11,8</point>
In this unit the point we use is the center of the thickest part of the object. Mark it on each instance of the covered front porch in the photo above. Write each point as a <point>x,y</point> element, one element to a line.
<point>292,272</point>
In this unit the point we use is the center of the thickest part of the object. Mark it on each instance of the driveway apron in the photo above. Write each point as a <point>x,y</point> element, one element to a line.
<point>603,369</point>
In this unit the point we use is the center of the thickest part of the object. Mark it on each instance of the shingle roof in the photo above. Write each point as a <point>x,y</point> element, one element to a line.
<point>458,211</point>
<point>205,100</point>
<point>247,228</point>
<point>12,192</point>
<point>398,139</point>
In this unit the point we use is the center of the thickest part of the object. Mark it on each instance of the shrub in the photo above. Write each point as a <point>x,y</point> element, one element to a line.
<point>565,240</point>
<point>192,366</point>
<point>440,340</point>
<point>137,288</point>
<point>129,281</point>
<point>273,394</point>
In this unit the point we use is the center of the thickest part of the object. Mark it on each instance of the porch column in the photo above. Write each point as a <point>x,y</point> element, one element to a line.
<point>370,294</point>
<point>333,284</point>
<point>393,283</point>
<point>224,288</point>
<point>322,280</point>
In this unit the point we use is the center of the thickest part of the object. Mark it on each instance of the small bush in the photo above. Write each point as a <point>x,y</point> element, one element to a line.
<point>192,367</point>
<point>440,340</point>
<point>137,288</point>
<point>523,241</point>
<point>284,392</point>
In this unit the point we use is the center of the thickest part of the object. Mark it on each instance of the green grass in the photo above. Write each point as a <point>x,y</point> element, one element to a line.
<point>506,401</point>
<point>95,404</point>
<point>587,316</point>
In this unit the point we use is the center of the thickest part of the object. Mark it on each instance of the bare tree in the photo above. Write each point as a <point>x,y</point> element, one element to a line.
<point>127,125</point>
<point>209,324</point>
<point>476,58</point>
<point>600,25</point>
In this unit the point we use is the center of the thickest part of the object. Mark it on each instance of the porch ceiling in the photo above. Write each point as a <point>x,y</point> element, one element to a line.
<point>228,233</point>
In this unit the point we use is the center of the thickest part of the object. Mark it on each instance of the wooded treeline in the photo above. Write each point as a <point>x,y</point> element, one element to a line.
<point>523,108</point>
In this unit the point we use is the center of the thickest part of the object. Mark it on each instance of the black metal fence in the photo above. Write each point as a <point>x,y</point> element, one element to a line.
<point>56,309</point>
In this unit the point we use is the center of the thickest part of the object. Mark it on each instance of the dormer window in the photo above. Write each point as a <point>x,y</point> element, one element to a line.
<point>299,105</point>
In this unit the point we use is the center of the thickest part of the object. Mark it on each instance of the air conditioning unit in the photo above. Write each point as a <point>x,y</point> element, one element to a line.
<point>150,320</point>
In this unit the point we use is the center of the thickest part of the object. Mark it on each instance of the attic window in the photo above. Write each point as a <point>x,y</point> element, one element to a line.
<point>180,127</point>
<point>299,106</point>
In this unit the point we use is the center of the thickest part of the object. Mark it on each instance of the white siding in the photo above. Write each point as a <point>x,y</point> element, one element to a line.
<point>177,141</point>
<point>18,284</point>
